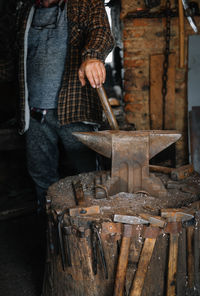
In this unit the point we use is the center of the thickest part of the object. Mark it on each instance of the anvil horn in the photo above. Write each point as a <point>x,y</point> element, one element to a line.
<point>159,140</point>
<point>97,141</point>
<point>101,142</point>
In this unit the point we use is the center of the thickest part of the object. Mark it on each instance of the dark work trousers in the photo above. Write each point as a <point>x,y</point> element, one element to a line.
<point>42,145</point>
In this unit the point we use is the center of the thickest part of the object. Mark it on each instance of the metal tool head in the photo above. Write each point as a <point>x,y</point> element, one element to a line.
<point>129,219</point>
<point>154,220</point>
<point>176,215</point>
<point>189,15</point>
<point>97,141</point>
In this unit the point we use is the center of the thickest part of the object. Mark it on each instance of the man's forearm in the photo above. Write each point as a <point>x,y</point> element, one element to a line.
<point>99,39</point>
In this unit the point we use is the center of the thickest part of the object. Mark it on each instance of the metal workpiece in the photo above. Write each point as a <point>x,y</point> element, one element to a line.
<point>130,152</point>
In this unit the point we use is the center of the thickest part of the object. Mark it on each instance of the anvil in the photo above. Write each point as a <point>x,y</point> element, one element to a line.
<point>130,152</point>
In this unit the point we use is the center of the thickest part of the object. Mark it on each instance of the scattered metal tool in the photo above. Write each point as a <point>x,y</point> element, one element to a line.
<point>174,218</point>
<point>81,210</point>
<point>101,190</point>
<point>128,222</point>
<point>160,169</point>
<point>97,244</point>
<point>182,172</point>
<point>78,192</point>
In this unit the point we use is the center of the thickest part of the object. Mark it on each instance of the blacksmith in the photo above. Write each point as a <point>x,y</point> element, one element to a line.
<point>62,49</point>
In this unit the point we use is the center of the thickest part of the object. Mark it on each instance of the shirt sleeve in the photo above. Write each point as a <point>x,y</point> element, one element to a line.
<point>99,39</point>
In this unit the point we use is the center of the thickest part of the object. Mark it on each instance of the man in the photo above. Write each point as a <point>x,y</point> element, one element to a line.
<point>62,49</point>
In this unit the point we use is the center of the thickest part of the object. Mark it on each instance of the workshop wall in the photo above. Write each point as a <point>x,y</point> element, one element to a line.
<point>144,38</point>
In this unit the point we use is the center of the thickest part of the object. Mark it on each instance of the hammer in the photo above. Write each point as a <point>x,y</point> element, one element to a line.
<point>107,108</point>
<point>128,222</point>
<point>151,233</point>
<point>174,218</point>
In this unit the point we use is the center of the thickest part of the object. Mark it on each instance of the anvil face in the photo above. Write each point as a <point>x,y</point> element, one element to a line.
<point>130,152</point>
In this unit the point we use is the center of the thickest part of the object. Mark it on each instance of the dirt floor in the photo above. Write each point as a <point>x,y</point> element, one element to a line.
<point>21,239</point>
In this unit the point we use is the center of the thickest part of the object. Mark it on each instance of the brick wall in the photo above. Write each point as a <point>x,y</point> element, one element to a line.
<point>141,39</point>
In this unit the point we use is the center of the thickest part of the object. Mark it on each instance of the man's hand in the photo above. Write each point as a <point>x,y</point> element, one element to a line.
<point>94,71</point>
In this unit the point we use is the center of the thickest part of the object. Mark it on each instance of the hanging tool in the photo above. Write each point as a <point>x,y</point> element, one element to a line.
<point>128,222</point>
<point>97,245</point>
<point>81,210</point>
<point>60,239</point>
<point>174,218</point>
<point>67,231</point>
<point>189,13</point>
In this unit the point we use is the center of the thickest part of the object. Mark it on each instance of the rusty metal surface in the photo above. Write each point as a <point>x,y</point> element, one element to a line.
<point>130,152</point>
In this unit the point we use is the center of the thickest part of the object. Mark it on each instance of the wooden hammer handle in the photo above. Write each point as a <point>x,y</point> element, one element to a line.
<point>107,108</point>
<point>123,261</point>
<point>144,261</point>
<point>172,264</point>
<point>190,255</point>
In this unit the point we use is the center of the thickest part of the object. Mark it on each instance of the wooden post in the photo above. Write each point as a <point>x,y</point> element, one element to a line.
<point>181,34</point>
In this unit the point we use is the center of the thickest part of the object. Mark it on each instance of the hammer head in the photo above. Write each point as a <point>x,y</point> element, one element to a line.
<point>176,215</point>
<point>154,220</point>
<point>130,219</point>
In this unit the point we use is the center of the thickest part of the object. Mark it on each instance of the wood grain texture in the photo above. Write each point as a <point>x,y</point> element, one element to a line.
<point>144,261</point>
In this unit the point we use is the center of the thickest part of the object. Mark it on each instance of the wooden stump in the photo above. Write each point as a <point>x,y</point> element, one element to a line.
<point>74,265</point>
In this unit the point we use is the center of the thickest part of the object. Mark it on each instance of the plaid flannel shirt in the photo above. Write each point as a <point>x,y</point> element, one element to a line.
<point>89,37</point>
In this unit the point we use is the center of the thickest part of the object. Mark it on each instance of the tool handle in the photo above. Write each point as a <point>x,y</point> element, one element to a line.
<point>172,264</point>
<point>145,258</point>
<point>123,261</point>
<point>107,108</point>
<point>190,256</point>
